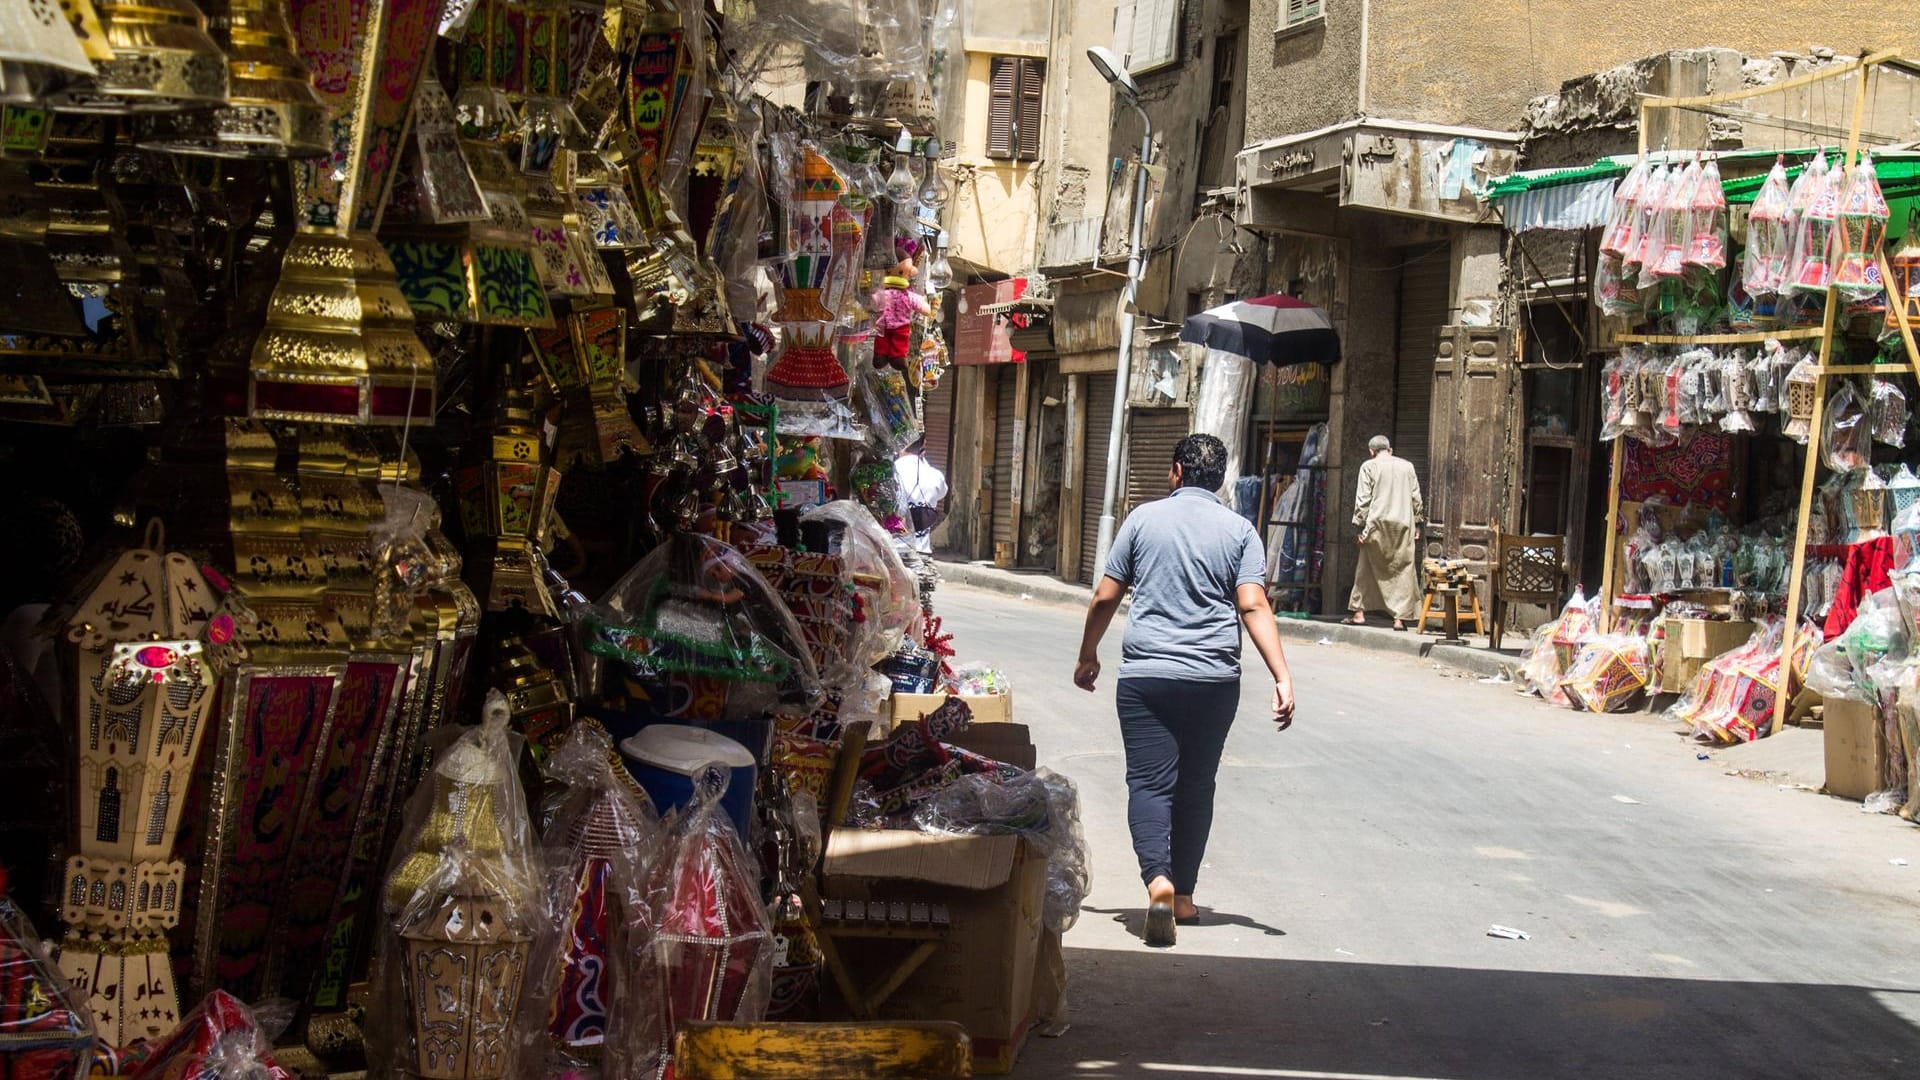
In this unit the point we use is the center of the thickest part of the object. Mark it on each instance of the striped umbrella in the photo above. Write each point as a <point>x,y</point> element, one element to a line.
<point>1277,329</point>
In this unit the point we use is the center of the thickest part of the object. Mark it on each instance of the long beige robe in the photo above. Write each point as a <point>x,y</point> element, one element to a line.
<point>1387,510</point>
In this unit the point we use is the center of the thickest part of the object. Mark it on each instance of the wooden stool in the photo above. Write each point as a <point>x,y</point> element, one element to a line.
<point>1447,581</point>
<point>712,1050</point>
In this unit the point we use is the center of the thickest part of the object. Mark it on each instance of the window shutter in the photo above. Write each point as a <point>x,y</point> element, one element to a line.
<point>1032,96</point>
<point>1154,34</point>
<point>1299,11</point>
<point>1000,109</point>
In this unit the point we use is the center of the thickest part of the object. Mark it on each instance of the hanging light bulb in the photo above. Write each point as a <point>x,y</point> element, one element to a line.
<point>939,271</point>
<point>901,185</point>
<point>934,190</point>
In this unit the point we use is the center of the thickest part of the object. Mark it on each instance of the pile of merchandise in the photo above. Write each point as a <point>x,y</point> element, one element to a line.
<point>432,590</point>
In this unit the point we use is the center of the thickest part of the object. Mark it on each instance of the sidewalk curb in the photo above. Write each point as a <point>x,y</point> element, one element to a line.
<point>1035,586</point>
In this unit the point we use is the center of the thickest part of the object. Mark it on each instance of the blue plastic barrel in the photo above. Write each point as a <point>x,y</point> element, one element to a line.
<point>666,759</point>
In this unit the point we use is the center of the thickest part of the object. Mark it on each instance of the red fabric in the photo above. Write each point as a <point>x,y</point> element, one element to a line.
<point>892,344</point>
<point>1868,570</point>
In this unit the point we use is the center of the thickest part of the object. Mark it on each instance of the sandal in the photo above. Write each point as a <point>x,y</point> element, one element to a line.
<point>1160,925</point>
<point>1357,620</point>
<point>1399,625</point>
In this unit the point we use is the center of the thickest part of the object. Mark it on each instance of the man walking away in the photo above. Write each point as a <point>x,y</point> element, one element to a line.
<point>923,493</point>
<point>1388,511</point>
<point>1198,574</point>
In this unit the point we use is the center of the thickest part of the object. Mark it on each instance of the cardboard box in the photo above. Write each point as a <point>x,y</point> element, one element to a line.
<point>1856,748</point>
<point>1011,743</point>
<point>1691,643</point>
<point>982,977</point>
<point>987,708</point>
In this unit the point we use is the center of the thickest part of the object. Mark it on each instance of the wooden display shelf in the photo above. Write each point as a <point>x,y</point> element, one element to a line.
<point>1755,337</point>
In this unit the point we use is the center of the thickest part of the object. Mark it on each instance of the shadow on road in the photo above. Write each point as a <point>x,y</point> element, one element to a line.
<point>1135,920</point>
<point>1160,1014</point>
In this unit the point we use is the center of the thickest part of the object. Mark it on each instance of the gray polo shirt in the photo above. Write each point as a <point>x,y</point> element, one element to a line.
<point>1184,556</point>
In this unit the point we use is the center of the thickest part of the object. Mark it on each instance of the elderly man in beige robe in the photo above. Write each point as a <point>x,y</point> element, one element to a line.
<point>1387,510</point>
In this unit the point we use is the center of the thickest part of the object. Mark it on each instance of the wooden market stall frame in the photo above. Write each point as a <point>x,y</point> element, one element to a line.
<point>1826,334</point>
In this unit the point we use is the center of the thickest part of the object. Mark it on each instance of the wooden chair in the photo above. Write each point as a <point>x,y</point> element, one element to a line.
<point>1527,570</point>
<point>711,1050</point>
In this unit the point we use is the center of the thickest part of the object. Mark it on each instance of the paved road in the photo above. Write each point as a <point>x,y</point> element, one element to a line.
<point>1684,922</point>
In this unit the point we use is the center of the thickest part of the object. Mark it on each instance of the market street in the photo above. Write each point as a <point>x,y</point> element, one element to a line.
<point>1683,922</point>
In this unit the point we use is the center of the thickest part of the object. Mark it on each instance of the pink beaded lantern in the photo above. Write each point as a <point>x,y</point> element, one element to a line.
<point>1666,246</point>
<point>1707,221</point>
<point>1859,231</point>
<point>1763,269</point>
<point>1652,197</point>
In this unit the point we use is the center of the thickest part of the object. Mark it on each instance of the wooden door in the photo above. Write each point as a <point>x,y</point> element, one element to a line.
<point>1472,446</point>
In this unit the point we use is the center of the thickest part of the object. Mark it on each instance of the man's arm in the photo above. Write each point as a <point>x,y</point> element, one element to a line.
<point>1257,615</point>
<point>1106,601</point>
<point>1363,499</point>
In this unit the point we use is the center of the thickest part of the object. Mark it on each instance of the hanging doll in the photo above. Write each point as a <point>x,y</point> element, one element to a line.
<point>895,306</point>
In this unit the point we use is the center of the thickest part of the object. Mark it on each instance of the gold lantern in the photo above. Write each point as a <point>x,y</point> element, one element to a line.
<point>338,345</point>
<point>163,60</point>
<point>466,962</point>
<point>145,687</point>
<point>1905,286</point>
<point>506,504</point>
<point>487,271</point>
<point>271,110</point>
<point>537,701</point>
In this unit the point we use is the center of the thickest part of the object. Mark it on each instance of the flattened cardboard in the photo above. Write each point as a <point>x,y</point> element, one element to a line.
<point>1856,748</point>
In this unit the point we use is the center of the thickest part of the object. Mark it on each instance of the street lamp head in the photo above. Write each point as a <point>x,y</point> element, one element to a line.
<point>1114,71</point>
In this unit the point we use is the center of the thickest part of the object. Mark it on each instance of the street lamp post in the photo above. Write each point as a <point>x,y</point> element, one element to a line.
<point>1115,73</point>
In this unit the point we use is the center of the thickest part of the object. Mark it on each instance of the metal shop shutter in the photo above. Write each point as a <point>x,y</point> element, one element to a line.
<point>1151,436</point>
<point>1093,469</point>
<point>1006,378</point>
<point>939,423</point>
<point>1424,284</point>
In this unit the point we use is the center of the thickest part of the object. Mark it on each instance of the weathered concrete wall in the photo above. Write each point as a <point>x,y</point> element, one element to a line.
<point>1480,64</point>
<point>1079,115</point>
<point>993,218</point>
<point>1302,79</point>
<point>1178,99</point>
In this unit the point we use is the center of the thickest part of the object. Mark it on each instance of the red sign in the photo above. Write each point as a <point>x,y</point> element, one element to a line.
<point>981,336</point>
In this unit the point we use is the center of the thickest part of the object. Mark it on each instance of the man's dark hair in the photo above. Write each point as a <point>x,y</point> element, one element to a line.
<point>1202,460</point>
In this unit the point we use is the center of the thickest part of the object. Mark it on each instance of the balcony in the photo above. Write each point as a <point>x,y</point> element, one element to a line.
<point>1071,243</point>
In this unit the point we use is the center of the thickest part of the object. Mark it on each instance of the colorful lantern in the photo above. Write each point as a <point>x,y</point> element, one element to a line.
<point>1860,232</point>
<point>1707,221</point>
<point>1817,205</point>
<point>506,502</point>
<point>816,192</point>
<point>146,687</point>
<point>45,1031</point>
<point>1769,236</point>
<point>1652,196</point>
<point>807,365</point>
<point>1905,266</point>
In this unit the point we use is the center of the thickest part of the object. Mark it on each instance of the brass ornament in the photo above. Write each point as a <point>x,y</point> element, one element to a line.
<point>271,110</point>
<point>339,344</point>
<point>163,60</point>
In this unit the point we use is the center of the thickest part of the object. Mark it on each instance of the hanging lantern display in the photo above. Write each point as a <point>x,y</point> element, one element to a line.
<point>1905,267</point>
<point>1643,241</point>
<point>1665,248</point>
<point>146,686</point>
<point>1621,216</point>
<point>445,192</point>
<point>817,188</point>
<point>1860,231</point>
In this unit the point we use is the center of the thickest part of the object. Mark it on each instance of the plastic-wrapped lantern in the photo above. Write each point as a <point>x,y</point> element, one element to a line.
<point>1905,267</point>
<point>1707,221</point>
<point>1860,230</point>
<point>1810,269</point>
<point>1769,236</point>
<point>1652,195</point>
<point>1672,226</point>
<point>1625,203</point>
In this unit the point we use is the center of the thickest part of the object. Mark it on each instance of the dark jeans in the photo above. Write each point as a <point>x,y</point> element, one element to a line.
<point>1173,730</point>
